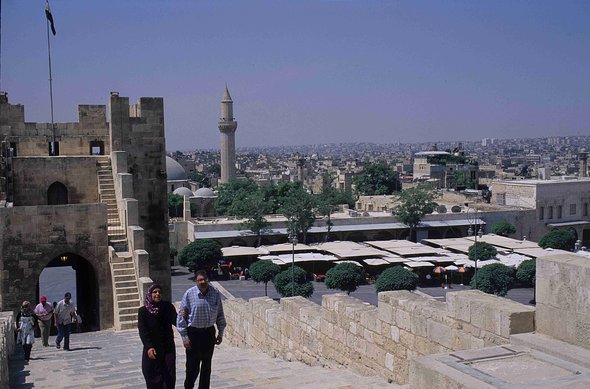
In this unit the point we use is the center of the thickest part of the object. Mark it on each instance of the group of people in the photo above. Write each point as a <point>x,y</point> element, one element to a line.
<point>62,315</point>
<point>200,311</point>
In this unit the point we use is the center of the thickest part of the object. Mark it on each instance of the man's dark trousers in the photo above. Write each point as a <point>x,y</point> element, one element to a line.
<point>198,358</point>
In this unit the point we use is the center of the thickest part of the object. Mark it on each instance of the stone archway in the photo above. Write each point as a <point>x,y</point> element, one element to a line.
<point>87,288</point>
<point>57,194</point>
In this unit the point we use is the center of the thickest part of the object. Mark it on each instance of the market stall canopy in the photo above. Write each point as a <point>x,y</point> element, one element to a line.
<point>282,259</point>
<point>504,242</point>
<point>284,248</point>
<point>241,251</point>
<point>418,264</point>
<point>345,250</point>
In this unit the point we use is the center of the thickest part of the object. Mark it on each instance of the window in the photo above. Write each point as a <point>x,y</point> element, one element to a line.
<point>541,213</point>
<point>550,215</point>
<point>56,149</point>
<point>96,147</point>
<point>12,150</point>
<point>585,212</point>
<point>559,211</point>
<point>572,209</point>
<point>57,194</point>
<point>501,198</point>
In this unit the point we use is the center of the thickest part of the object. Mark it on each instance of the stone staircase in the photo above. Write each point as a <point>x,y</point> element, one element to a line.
<point>124,277</point>
<point>126,290</point>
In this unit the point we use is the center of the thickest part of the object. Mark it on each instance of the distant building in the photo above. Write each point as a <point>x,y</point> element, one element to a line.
<point>441,169</point>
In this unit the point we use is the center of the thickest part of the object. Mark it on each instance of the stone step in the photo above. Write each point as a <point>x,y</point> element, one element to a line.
<point>124,272</point>
<point>128,311</point>
<point>123,265</point>
<point>126,284</point>
<point>123,278</point>
<point>128,303</point>
<point>126,256</point>
<point>127,296</point>
<point>129,325</point>
<point>126,289</point>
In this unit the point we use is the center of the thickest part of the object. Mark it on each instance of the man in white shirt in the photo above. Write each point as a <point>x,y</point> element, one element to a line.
<point>64,312</point>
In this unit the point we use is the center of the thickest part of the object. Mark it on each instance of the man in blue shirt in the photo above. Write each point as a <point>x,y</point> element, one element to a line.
<point>203,305</point>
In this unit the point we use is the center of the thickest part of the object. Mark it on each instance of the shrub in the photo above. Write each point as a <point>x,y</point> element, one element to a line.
<point>264,271</point>
<point>282,283</point>
<point>503,228</point>
<point>396,278</point>
<point>494,279</point>
<point>482,250</point>
<point>558,239</point>
<point>526,272</point>
<point>200,254</point>
<point>344,276</point>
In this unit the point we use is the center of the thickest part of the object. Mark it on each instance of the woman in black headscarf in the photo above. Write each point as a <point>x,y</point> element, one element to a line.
<point>155,321</point>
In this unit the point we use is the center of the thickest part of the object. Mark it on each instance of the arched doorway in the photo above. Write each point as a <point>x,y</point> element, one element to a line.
<point>72,273</point>
<point>57,194</point>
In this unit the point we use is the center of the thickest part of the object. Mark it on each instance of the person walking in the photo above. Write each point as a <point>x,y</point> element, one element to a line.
<point>26,333</point>
<point>155,321</point>
<point>44,313</point>
<point>203,307</point>
<point>63,314</point>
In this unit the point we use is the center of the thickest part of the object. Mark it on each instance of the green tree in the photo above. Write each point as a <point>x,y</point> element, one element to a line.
<point>462,179</point>
<point>482,251</point>
<point>264,271</point>
<point>302,286</point>
<point>344,276</point>
<point>175,205</point>
<point>558,239</point>
<point>201,177</point>
<point>253,207</point>
<point>503,228</point>
<point>494,279</point>
<point>226,194</point>
<point>377,179</point>
<point>200,254</point>
<point>526,272</point>
<point>396,278</point>
<point>414,203</point>
<point>298,208</point>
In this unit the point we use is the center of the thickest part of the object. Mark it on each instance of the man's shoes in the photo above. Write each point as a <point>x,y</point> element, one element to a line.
<point>66,349</point>
<point>57,346</point>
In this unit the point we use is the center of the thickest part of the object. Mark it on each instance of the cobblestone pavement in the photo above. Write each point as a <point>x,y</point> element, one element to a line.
<point>109,360</point>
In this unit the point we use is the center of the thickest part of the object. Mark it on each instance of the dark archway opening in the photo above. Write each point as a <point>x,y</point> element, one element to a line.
<point>57,194</point>
<point>85,293</point>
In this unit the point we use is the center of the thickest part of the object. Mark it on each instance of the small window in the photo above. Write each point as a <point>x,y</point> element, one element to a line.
<point>559,211</point>
<point>550,213</point>
<point>572,209</point>
<point>96,147</point>
<point>501,198</point>
<point>541,213</point>
<point>56,151</point>
<point>12,149</point>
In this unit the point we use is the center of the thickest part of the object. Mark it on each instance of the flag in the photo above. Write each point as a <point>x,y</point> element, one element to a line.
<point>49,16</point>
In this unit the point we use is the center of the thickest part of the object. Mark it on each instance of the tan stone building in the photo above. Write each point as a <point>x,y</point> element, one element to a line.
<point>99,205</point>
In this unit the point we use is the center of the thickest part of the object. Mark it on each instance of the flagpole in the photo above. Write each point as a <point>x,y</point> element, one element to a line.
<point>52,151</point>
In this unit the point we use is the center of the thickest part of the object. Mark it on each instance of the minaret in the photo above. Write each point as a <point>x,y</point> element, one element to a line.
<point>227,126</point>
<point>583,157</point>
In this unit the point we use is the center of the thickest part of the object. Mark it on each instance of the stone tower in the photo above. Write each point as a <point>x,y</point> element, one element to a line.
<point>227,126</point>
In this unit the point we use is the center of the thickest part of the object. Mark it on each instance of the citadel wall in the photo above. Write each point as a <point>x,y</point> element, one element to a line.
<point>373,340</point>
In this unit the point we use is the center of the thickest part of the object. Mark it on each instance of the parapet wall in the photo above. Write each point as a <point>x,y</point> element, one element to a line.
<point>7,345</point>
<point>374,340</point>
<point>563,304</point>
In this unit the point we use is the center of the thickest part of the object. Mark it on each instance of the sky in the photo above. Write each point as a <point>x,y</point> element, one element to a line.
<point>310,72</point>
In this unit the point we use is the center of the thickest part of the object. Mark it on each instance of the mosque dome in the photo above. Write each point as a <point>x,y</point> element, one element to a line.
<point>204,192</point>
<point>174,171</point>
<point>182,191</point>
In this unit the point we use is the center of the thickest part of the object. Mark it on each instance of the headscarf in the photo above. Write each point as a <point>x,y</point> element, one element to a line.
<point>150,305</point>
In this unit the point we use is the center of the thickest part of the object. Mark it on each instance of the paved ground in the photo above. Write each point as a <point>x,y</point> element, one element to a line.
<point>108,359</point>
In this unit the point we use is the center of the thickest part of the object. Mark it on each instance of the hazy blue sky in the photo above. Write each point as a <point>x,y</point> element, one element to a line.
<point>303,72</point>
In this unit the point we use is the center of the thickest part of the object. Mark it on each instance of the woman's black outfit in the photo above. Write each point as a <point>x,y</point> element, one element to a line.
<point>155,330</point>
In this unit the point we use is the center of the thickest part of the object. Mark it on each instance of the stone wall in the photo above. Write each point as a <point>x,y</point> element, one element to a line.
<point>32,176</point>
<point>31,237</point>
<point>374,340</point>
<point>7,345</point>
<point>562,294</point>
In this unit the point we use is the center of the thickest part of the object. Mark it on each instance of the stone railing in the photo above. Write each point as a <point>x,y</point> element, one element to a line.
<point>374,340</point>
<point>7,345</point>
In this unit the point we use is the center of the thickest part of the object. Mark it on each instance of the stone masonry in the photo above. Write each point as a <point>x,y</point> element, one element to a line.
<point>374,340</point>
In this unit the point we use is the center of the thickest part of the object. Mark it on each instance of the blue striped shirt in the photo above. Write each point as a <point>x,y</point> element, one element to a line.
<point>204,310</point>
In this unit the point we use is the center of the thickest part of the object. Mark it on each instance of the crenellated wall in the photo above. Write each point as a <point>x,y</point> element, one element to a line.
<point>374,340</point>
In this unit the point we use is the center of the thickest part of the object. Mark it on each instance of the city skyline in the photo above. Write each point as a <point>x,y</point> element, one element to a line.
<point>312,72</point>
